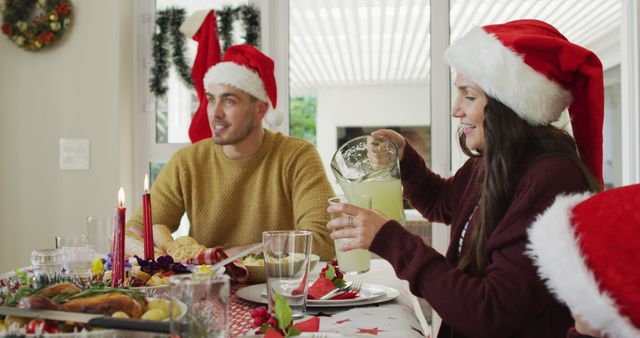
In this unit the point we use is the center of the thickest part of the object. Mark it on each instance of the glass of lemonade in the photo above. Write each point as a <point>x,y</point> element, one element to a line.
<point>357,260</point>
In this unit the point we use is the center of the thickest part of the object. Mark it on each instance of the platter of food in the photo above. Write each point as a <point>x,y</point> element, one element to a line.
<point>98,300</point>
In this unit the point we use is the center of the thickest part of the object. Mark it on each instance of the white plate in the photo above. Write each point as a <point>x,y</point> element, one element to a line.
<point>369,294</point>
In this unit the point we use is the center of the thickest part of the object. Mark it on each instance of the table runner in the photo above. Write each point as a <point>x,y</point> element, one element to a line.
<point>240,320</point>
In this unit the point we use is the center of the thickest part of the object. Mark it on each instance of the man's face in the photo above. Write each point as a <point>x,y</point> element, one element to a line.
<point>233,114</point>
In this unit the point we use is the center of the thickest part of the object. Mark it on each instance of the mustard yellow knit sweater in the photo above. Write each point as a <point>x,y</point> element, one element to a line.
<point>283,186</point>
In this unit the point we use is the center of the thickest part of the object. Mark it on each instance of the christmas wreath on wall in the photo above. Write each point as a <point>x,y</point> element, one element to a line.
<point>35,24</point>
<point>167,32</point>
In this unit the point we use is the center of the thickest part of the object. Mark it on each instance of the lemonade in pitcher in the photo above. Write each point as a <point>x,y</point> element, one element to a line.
<point>357,176</point>
<point>386,195</point>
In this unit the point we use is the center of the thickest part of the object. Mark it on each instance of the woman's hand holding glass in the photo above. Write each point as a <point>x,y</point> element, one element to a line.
<point>359,224</point>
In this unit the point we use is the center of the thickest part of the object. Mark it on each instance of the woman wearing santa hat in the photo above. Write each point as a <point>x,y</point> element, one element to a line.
<point>513,81</point>
<point>586,250</point>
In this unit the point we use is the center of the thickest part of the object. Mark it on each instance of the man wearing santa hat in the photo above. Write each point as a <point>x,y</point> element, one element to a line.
<point>246,179</point>
<point>586,248</point>
<point>513,80</point>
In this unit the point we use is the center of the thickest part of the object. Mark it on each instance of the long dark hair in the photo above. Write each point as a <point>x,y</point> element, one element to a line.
<point>508,141</point>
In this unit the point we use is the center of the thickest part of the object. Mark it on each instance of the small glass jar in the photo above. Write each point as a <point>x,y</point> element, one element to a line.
<point>47,266</point>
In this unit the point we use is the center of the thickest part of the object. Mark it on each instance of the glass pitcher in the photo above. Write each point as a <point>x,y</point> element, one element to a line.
<point>356,175</point>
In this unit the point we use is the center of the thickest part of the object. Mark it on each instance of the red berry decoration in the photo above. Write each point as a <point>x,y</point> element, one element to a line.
<point>332,271</point>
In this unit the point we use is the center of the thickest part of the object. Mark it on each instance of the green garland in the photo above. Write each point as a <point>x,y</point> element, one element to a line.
<point>35,24</point>
<point>251,20</point>
<point>168,21</point>
<point>250,17</point>
<point>225,18</point>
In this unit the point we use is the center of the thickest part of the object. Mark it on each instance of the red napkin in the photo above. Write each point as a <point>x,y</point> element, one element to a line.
<point>319,288</point>
<point>346,295</point>
<point>310,325</point>
<point>322,286</point>
<point>236,270</point>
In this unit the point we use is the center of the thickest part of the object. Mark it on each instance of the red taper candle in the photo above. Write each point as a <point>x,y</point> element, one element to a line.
<point>117,257</point>
<point>148,222</point>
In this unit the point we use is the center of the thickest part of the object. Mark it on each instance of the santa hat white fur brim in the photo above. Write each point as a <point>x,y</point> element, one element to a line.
<point>192,24</point>
<point>554,249</point>
<point>233,74</point>
<point>504,75</point>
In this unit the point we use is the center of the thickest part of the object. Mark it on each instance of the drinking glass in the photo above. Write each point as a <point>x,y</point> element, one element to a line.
<point>206,301</point>
<point>100,231</point>
<point>71,241</point>
<point>354,261</point>
<point>77,255</point>
<point>286,258</point>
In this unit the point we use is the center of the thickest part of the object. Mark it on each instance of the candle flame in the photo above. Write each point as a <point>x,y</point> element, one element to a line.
<point>146,183</point>
<point>121,197</point>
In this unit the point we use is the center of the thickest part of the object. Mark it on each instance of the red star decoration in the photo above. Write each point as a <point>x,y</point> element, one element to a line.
<point>343,321</point>
<point>373,331</point>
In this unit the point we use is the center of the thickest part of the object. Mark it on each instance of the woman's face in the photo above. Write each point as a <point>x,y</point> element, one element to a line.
<point>469,108</point>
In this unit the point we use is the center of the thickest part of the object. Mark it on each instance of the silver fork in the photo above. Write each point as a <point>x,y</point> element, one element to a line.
<point>337,291</point>
<point>355,287</point>
<point>319,336</point>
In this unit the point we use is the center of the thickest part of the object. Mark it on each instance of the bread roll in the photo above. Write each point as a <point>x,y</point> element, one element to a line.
<point>162,236</point>
<point>184,248</point>
<point>134,246</point>
<point>135,231</point>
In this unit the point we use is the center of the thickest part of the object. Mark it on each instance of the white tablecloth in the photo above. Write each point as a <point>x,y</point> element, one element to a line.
<point>401,317</point>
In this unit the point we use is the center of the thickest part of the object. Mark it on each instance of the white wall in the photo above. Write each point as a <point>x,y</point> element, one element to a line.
<point>80,88</point>
<point>366,106</point>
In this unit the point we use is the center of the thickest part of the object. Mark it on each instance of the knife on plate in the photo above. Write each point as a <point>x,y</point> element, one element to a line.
<point>238,255</point>
<point>96,320</point>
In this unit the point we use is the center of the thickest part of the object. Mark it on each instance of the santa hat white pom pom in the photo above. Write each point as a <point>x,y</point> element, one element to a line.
<point>274,118</point>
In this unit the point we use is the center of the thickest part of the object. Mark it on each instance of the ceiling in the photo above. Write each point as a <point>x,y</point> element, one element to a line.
<point>372,42</point>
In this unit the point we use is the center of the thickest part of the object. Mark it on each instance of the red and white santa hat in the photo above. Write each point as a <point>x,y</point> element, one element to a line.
<point>250,70</point>
<point>533,69</point>
<point>587,250</point>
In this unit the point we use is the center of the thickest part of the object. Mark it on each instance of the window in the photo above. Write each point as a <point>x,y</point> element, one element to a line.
<point>357,66</point>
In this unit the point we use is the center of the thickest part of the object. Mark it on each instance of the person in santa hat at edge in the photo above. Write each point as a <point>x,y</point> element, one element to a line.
<point>586,250</point>
<point>245,179</point>
<point>513,80</point>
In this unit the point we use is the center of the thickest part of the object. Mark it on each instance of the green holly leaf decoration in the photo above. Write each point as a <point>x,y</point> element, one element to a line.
<point>293,331</point>
<point>330,273</point>
<point>339,283</point>
<point>284,315</point>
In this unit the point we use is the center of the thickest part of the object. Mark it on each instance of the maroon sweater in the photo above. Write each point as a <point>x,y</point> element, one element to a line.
<point>509,300</point>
